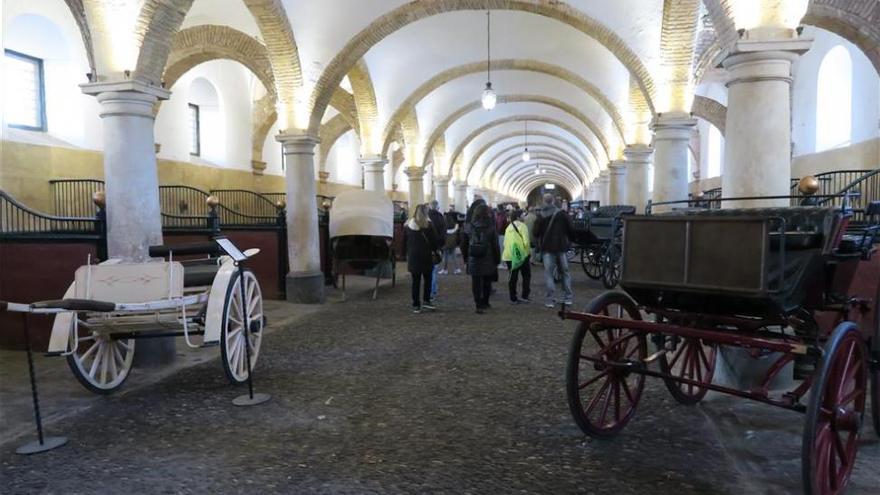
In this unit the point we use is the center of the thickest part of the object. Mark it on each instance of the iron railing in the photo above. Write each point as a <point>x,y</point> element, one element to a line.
<point>246,202</point>
<point>17,219</point>
<point>834,182</point>
<point>73,197</point>
<point>862,191</point>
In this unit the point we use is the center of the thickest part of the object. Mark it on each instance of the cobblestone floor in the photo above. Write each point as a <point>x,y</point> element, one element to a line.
<point>369,398</point>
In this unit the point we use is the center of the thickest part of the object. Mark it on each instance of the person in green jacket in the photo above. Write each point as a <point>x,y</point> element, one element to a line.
<point>516,254</point>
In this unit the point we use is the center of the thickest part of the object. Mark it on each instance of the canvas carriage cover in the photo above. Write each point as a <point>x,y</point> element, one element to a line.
<point>367,213</point>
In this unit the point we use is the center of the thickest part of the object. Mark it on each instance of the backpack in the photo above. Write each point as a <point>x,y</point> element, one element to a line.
<point>477,246</point>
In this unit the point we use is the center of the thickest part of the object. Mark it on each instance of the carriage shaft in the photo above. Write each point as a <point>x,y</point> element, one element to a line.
<point>732,337</point>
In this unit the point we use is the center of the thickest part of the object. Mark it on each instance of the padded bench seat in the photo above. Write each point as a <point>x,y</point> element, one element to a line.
<point>197,275</point>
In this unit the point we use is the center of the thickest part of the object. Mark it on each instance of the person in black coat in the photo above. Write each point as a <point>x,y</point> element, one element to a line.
<point>420,240</point>
<point>439,224</point>
<point>480,247</point>
<point>553,231</point>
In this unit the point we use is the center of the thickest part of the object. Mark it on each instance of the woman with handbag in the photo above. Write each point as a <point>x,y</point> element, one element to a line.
<point>420,243</point>
<point>480,247</point>
<point>516,254</point>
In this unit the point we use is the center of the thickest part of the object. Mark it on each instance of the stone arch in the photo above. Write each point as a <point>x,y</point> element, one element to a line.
<point>520,118</point>
<point>500,65</point>
<point>677,38</point>
<point>710,110</point>
<point>556,171</point>
<point>414,11</point>
<point>271,19</point>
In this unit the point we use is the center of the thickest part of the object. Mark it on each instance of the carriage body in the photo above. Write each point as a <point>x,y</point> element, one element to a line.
<point>598,238</point>
<point>210,300</point>
<point>361,235</point>
<point>796,289</point>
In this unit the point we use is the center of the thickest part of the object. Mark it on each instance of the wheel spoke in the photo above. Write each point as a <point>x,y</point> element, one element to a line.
<point>839,449</point>
<point>628,392</point>
<point>606,404</point>
<point>96,360</point>
<point>593,380</point>
<point>855,394</point>
<point>616,389</point>
<point>676,357</point>
<point>596,398</point>
<point>89,352</point>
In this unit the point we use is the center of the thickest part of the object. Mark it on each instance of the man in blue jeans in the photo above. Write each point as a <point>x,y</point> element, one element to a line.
<point>439,224</point>
<point>554,230</point>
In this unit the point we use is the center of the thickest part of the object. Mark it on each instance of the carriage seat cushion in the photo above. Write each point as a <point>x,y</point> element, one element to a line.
<point>612,211</point>
<point>198,275</point>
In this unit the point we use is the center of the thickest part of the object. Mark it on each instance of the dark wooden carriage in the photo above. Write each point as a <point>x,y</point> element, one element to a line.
<point>598,239</point>
<point>797,287</point>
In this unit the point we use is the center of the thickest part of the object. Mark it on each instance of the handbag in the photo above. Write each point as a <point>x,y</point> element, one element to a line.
<point>436,257</point>
<point>518,257</point>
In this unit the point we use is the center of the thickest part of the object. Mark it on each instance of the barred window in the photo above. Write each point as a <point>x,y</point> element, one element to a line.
<point>195,144</point>
<point>25,95</point>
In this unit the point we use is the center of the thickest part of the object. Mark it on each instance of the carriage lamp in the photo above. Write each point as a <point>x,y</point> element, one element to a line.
<point>808,185</point>
<point>212,201</point>
<point>99,198</point>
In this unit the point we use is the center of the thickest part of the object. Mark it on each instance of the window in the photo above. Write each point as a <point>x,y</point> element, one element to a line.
<point>834,100</point>
<point>195,143</point>
<point>715,151</point>
<point>25,95</point>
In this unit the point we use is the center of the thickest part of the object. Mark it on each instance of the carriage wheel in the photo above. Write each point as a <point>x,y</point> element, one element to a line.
<point>571,254</point>
<point>603,398</point>
<point>590,262</point>
<point>232,348</point>
<point>834,413</point>
<point>100,363</point>
<point>694,359</point>
<point>611,262</point>
<point>875,400</point>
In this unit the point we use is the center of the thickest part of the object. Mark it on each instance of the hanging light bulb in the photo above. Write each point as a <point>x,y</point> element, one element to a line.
<point>489,97</point>
<point>526,156</point>
<point>537,169</point>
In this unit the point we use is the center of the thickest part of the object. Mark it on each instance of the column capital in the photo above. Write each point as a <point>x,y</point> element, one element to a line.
<point>638,154</point>
<point>763,60</point>
<point>130,98</point>
<point>297,143</point>
<point>460,184</point>
<point>373,159</point>
<point>323,175</point>
<point>414,173</point>
<point>441,180</point>
<point>673,126</point>
<point>604,174</point>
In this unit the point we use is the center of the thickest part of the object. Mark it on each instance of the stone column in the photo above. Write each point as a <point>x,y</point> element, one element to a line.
<point>617,186</point>
<point>672,133</point>
<point>460,196</point>
<point>757,150</point>
<point>603,187</point>
<point>134,221</point>
<point>305,282</point>
<point>638,174</point>
<point>441,191</point>
<point>374,172</point>
<point>416,187</point>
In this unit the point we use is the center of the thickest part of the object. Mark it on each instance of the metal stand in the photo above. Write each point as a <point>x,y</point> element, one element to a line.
<point>42,444</point>
<point>250,399</point>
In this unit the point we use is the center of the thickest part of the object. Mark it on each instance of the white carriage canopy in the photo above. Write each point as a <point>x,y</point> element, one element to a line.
<point>362,213</point>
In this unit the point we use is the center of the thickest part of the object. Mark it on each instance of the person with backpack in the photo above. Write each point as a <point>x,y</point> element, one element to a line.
<point>500,228</point>
<point>439,224</point>
<point>553,230</point>
<point>480,247</point>
<point>516,254</point>
<point>420,241</point>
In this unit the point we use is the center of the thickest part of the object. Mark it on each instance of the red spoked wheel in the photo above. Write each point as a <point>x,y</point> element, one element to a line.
<point>603,391</point>
<point>875,400</point>
<point>693,359</point>
<point>835,412</point>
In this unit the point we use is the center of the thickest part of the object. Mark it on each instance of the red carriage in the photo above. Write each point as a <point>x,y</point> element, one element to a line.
<point>798,287</point>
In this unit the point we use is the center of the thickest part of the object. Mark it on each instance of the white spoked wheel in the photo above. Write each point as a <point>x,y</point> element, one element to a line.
<point>233,346</point>
<point>99,362</point>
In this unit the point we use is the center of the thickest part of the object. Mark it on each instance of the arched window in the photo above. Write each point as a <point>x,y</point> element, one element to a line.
<point>714,153</point>
<point>834,100</point>
<point>204,121</point>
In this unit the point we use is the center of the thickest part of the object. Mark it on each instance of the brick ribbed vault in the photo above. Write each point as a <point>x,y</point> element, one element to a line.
<point>158,22</point>
<point>414,11</point>
<point>365,103</point>
<point>500,65</point>
<point>580,157</point>
<point>505,163</point>
<point>711,111</point>
<point>678,33</point>
<point>519,181</point>
<point>79,15</point>
<point>552,102</point>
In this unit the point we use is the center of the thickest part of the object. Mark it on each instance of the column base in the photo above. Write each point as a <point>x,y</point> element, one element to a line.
<point>305,287</point>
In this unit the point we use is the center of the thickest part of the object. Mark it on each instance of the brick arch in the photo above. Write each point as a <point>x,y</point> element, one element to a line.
<point>528,185</point>
<point>198,44</point>
<point>365,103</point>
<point>711,111</point>
<point>581,159</point>
<point>519,118</point>
<point>79,15</point>
<point>274,25</point>
<point>508,164</point>
<point>499,65</point>
<point>856,21</point>
<point>330,132</point>
<point>411,12</point>
<point>556,171</point>
<point>552,102</point>
<point>157,23</point>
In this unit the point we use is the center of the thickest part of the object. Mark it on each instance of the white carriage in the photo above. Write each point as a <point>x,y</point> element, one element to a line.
<point>213,300</point>
<point>361,235</point>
